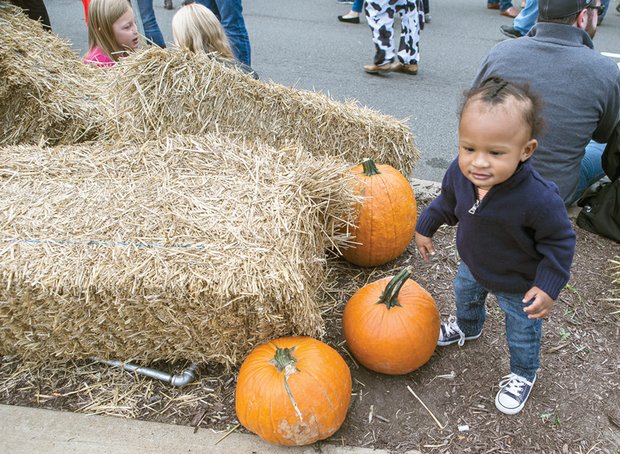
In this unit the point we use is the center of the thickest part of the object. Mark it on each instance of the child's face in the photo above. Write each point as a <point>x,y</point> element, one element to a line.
<point>493,140</point>
<point>126,31</point>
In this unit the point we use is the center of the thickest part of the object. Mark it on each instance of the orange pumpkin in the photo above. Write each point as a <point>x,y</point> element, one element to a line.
<point>392,325</point>
<point>386,218</point>
<point>293,391</point>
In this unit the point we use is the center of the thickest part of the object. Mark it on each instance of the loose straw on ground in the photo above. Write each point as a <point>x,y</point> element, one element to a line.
<point>425,407</point>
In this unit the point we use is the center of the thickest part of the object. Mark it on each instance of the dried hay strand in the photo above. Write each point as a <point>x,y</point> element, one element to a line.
<point>47,94</point>
<point>93,388</point>
<point>156,92</point>
<point>190,248</point>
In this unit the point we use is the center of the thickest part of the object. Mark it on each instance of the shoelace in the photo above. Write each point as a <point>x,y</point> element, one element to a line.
<point>452,327</point>
<point>513,384</point>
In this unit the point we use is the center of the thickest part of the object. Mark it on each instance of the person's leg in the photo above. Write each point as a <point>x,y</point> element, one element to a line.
<point>353,16</point>
<point>230,14</point>
<point>470,298</point>
<point>506,8</point>
<point>380,17</point>
<point>523,335</point>
<point>527,17</point>
<point>149,23</point>
<point>409,47</point>
<point>605,3</point>
<point>591,168</point>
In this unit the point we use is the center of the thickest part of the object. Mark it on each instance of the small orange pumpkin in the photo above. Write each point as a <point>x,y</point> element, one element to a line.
<point>391,325</point>
<point>386,218</point>
<point>293,391</point>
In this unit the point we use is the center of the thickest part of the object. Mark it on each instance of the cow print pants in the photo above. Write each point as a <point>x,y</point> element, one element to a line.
<point>380,15</point>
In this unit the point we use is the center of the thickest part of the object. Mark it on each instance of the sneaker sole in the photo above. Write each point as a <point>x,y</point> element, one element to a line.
<point>513,411</point>
<point>444,343</point>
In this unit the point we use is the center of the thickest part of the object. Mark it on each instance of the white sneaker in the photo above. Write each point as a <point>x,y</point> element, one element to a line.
<point>513,393</point>
<point>449,333</point>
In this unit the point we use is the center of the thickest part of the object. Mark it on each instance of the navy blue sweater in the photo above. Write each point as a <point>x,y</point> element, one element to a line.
<point>519,235</point>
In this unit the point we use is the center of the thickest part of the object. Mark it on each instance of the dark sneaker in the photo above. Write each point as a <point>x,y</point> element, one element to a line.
<point>350,20</point>
<point>513,393</point>
<point>510,31</point>
<point>450,333</point>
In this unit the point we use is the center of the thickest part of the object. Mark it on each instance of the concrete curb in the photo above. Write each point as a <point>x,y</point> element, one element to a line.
<point>35,430</point>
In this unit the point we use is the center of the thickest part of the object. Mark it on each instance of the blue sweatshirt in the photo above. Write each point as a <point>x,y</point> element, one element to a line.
<point>519,236</point>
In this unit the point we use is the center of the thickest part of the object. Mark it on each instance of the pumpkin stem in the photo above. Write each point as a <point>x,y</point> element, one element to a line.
<point>370,168</point>
<point>285,361</point>
<point>389,297</point>
<point>283,358</point>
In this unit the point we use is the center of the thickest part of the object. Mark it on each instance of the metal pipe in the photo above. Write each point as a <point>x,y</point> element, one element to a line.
<point>179,380</point>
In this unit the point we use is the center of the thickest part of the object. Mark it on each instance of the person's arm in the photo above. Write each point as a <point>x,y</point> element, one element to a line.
<point>611,112</point>
<point>555,240</point>
<point>439,212</point>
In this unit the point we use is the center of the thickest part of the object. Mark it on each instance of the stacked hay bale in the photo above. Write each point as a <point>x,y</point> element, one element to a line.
<point>188,249</point>
<point>47,94</point>
<point>157,92</point>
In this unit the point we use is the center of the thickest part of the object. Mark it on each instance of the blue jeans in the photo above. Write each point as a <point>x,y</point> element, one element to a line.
<point>503,4</point>
<point>527,17</point>
<point>591,169</point>
<point>523,334</point>
<point>230,14</point>
<point>149,23</point>
<point>357,6</point>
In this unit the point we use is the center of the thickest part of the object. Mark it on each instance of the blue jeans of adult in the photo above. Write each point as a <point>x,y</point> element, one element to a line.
<point>357,6</point>
<point>591,169</point>
<point>230,14</point>
<point>526,18</point>
<point>503,4</point>
<point>149,23</point>
<point>605,3</point>
<point>523,334</point>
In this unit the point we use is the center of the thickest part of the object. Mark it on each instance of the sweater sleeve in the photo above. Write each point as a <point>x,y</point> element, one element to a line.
<point>441,210</point>
<point>555,241</point>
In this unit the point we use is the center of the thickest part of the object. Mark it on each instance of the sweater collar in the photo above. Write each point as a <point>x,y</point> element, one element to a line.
<point>567,35</point>
<point>522,172</point>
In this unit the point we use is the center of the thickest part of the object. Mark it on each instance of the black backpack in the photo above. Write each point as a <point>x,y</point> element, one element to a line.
<point>601,210</point>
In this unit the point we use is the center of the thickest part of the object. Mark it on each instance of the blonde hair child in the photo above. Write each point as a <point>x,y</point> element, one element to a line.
<point>112,31</point>
<point>196,28</point>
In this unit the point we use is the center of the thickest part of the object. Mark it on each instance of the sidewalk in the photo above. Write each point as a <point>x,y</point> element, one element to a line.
<point>33,430</point>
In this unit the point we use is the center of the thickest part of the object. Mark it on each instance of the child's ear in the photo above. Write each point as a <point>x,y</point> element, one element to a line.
<point>528,149</point>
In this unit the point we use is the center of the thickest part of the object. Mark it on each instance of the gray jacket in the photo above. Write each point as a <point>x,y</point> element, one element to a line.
<point>580,89</point>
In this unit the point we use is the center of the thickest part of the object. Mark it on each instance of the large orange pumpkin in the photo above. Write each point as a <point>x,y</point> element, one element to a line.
<point>386,218</point>
<point>293,391</point>
<point>392,325</point>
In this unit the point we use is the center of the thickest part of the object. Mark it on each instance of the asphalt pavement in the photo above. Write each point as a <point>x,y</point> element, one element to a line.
<point>301,43</point>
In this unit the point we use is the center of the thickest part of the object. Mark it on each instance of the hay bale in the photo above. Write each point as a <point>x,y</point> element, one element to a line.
<point>185,249</point>
<point>156,92</point>
<point>47,94</point>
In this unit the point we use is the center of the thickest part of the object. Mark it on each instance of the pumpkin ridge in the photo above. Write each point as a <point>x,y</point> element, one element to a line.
<point>393,221</point>
<point>322,388</point>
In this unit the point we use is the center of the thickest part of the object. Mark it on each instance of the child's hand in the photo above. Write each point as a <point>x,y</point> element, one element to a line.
<point>541,303</point>
<point>425,245</point>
